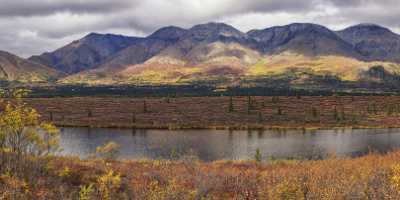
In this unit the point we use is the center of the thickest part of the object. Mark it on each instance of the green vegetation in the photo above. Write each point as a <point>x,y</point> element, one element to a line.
<point>21,131</point>
<point>145,107</point>
<point>258,156</point>
<point>231,108</point>
<point>273,88</point>
<point>249,104</point>
<point>108,151</point>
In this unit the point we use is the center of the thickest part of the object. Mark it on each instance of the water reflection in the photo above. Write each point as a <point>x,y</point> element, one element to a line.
<point>211,145</point>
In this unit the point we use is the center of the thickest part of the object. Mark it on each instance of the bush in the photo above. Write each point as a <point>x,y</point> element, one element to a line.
<point>22,132</point>
<point>258,156</point>
<point>108,151</point>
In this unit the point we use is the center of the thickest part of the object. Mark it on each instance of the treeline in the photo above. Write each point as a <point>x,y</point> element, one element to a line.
<point>188,91</point>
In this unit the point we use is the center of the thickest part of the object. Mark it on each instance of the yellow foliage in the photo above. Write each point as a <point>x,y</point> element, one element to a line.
<point>65,172</point>
<point>395,179</point>
<point>170,191</point>
<point>21,130</point>
<point>345,68</point>
<point>109,184</point>
<point>288,191</point>
<point>108,150</point>
<point>86,191</point>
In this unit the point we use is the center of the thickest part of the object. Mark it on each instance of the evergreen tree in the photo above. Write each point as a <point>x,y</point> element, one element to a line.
<point>249,104</point>
<point>279,111</point>
<point>51,116</point>
<point>260,117</point>
<point>133,118</point>
<point>231,108</point>
<point>144,106</point>
<point>258,156</point>
<point>90,114</point>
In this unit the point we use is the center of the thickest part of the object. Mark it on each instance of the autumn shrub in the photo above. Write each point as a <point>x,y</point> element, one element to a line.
<point>22,132</point>
<point>86,192</point>
<point>258,156</point>
<point>108,151</point>
<point>26,145</point>
<point>72,178</point>
<point>109,184</point>
<point>288,190</point>
<point>170,190</point>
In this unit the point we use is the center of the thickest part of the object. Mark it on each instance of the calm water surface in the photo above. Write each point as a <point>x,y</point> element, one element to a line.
<point>211,145</point>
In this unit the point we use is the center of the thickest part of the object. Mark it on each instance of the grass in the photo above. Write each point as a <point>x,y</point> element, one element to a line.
<point>163,75</point>
<point>348,69</point>
<point>187,178</point>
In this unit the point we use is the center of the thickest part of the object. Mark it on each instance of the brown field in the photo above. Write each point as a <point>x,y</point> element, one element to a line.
<point>370,177</point>
<point>216,112</point>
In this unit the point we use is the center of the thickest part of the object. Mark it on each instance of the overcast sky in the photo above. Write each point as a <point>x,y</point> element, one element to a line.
<point>30,27</point>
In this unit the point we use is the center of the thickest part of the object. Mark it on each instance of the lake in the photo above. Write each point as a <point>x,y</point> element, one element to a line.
<point>210,145</point>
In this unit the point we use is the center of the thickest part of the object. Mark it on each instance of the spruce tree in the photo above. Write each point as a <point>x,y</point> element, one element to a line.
<point>231,108</point>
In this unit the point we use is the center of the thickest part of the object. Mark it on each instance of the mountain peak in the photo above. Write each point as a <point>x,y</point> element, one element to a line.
<point>213,30</point>
<point>293,26</point>
<point>374,42</point>
<point>215,26</point>
<point>289,30</point>
<point>93,34</point>
<point>367,27</point>
<point>300,27</point>
<point>98,36</point>
<point>305,25</point>
<point>305,38</point>
<point>212,25</point>
<point>367,24</point>
<point>85,53</point>
<point>5,53</point>
<point>168,33</point>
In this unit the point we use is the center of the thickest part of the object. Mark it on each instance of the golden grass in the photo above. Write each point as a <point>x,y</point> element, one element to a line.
<point>346,68</point>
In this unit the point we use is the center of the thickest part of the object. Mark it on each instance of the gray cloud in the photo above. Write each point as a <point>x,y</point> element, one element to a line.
<point>46,7</point>
<point>34,26</point>
<point>278,5</point>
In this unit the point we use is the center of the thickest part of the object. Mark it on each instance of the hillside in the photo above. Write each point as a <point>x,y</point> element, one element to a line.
<point>307,39</point>
<point>14,68</point>
<point>85,53</point>
<point>373,42</point>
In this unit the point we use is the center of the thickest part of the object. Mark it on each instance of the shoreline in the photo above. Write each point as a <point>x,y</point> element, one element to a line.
<point>233,128</point>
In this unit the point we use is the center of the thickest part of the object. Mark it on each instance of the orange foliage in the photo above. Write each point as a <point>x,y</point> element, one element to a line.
<point>371,177</point>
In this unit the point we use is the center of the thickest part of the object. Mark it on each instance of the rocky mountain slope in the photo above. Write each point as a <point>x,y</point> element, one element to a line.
<point>373,42</point>
<point>306,39</point>
<point>85,53</point>
<point>14,68</point>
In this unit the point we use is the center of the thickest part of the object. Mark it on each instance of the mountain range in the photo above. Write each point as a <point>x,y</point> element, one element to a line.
<point>216,53</point>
